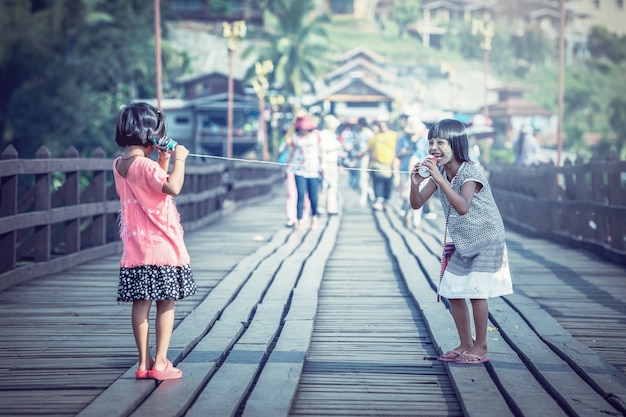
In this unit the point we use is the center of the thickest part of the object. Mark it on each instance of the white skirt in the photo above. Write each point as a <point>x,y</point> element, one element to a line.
<point>468,278</point>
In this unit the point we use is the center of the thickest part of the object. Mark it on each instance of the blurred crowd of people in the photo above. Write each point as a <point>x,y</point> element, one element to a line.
<point>376,154</point>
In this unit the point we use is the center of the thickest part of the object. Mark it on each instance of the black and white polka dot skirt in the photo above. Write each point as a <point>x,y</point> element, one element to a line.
<point>151,282</point>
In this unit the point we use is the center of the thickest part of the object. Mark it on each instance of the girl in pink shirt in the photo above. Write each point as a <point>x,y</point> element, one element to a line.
<point>155,262</point>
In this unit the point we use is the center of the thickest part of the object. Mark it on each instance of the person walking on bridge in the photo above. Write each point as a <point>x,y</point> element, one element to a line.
<point>382,150</point>
<point>474,262</point>
<point>526,147</point>
<point>155,262</point>
<point>331,147</point>
<point>308,160</point>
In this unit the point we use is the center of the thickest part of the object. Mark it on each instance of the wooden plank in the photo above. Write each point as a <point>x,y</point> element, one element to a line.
<point>276,386</point>
<point>224,392</point>
<point>172,398</point>
<point>274,391</point>
<point>483,390</point>
<point>571,391</point>
<point>240,242</point>
<point>258,324</point>
<point>574,286</point>
<point>227,389</point>
<point>371,353</point>
<point>514,385</point>
<point>607,380</point>
<point>363,322</point>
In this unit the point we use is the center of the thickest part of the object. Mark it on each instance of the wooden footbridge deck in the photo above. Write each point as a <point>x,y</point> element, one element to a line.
<point>338,321</point>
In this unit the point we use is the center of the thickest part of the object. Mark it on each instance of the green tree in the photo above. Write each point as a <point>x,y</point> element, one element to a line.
<point>33,44</point>
<point>405,12</point>
<point>617,120</point>
<point>296,43</point>
<point>593,104</point>
<point>589,96</point>
<point>218,7</point>
<point>531,50</point>
<point>278,8</point>
<point>616,110</point>
<point>69,69</point>
<point>604,44</point>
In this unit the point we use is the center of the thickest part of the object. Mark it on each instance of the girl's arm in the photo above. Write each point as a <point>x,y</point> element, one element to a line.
<point>461,202</point>
<point>176,179</point>
<point>417,197</point>
<point>164,160</point>
<point>320,149</point>
<point>292,147</point>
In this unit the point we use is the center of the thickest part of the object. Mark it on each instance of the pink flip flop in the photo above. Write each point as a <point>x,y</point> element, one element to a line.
<point>143,374</point>
<point>168,373</point>
<point>471,359</point>
<point>443,357</point>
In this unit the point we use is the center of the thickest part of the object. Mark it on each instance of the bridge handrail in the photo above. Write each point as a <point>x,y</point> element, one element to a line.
<point>56,213</point>
<point>582,204</point>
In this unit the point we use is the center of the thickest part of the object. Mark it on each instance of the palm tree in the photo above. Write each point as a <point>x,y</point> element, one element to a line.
<point>296,43</point>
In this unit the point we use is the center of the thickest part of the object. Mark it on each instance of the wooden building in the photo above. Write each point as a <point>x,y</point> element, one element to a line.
<point>358,86</point>
<point>512,111</point>
<point>199,121</point>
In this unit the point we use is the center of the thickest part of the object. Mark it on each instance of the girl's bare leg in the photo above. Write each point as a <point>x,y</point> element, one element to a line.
<point>164,328</point>
<point>141,331</point>
<point>480,307</point>
<point>460,314</point>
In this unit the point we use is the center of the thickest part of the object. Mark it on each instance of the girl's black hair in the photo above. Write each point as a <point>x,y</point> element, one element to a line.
<point>454,132</point>
<point>137,123</point>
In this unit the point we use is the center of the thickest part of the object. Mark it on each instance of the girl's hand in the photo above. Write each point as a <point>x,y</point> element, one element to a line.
<point>164,159</point>
<point>433,169</point>
<point>164,155</point>
<point>420,194</point>
<point>174,183</point>
<point>181,152</point>
<point>416,178</point>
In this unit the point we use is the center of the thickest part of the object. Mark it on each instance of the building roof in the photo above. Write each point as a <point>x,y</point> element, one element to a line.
<point>356,89</point>
<point>363,52</point>
<point>517,106</point>
<point>167,103</point>
<point>442,4</point>
<point>193,78</point>
<point>220,101</point>
<point>359,64</point>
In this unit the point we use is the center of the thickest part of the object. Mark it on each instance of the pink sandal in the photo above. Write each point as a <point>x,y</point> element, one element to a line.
<point>470,358</point>
<point>143,374</point>
<point>450,356</point>
<point>168,373</point>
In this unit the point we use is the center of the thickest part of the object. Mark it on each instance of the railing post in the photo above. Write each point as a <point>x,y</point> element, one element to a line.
<point>42,203</point>
<point>8,207</point>
<point>71,187</point>
<point>98,229</point>
<point>582,188</point>
<point>552,193</point>
<point>616,196</point>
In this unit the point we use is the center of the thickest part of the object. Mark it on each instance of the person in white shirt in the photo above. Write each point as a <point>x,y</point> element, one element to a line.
<point>331,148</point>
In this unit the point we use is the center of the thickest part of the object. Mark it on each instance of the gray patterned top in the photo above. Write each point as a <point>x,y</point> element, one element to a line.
<point>482,223</point>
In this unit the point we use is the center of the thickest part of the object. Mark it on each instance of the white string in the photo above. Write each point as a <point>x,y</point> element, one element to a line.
<point>257,161</point>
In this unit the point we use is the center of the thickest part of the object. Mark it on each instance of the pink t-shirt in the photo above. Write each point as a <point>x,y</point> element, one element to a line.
<point>149,221</point>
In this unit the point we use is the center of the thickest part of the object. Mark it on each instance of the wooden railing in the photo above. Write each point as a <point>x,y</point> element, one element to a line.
<point>583,204</point>
<point>59,212</point>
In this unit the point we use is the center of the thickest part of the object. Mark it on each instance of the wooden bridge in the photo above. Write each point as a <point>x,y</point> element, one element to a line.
<point>342,320</point>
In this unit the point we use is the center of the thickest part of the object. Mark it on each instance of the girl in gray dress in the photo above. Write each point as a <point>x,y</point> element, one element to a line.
<point>474,263</point>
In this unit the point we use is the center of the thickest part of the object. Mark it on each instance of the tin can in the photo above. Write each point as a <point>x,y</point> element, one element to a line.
<point>165,144</point>
<point>423,171</point>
